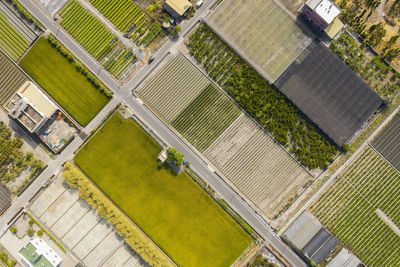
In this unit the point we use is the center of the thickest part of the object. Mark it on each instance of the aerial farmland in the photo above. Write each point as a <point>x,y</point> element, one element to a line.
<point>208,119</point>
<point>15,35</point>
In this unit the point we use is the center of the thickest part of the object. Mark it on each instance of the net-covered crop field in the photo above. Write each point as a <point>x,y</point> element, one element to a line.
<point>362,209</point>
<point>96,38</point>
<point>194,122</point>
<point>121,13</point>
<point>15,36</point>
<point>264,103</point>
<point>11,78</point>
<point>262,32</point>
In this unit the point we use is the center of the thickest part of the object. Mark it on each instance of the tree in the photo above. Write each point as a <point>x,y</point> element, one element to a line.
<point>13,230</point>
<point>176,30</point>
<point>30,232</point>
<point>39,233</point>
<point>174,156</point>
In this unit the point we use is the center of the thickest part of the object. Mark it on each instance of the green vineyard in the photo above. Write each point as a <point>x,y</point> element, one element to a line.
<point>121,13</point>
<point>206,117</point>
<point>11,41</point>
<point>87,30</point>
<point>360,207</point>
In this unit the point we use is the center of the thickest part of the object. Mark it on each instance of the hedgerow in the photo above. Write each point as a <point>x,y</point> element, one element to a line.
<point>79,67</point>
<point>263,102</point>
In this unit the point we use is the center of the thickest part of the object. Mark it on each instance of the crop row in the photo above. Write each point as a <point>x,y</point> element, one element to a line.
<point>173,87</point>
<point>349,209</point>
<point>87,30</point>
<point>153,31</point>
<point>121,13</point>
<point>118,64</point>
<point>263,102</point>
<point>203,120</point>
<point>11,78</point>
<point>11,41</point>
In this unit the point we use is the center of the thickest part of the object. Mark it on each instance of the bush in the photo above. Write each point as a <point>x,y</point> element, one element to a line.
<point>150,8</point>
<point>160,164</point>
<point>30,232</point>
<point>39,233</point>
<point>30,222</point>
<point>13,230</point>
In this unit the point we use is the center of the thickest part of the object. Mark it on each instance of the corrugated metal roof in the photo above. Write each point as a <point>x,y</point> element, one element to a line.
<point>180,6</point>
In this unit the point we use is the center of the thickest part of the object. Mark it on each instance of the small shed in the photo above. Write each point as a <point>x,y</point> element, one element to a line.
<point>176,8</point>
<point>320,13</point>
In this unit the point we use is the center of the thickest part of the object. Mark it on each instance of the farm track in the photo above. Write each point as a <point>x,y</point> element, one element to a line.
<point>256,165</point>
<point>11,78</point>
<point>349,209</point>
<point>173,87</point>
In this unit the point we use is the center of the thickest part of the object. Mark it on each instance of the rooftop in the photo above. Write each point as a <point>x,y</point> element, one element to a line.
<point>37,99</point>
<point>180,6</point>
<point>326,9</point>
<point>39,254</point>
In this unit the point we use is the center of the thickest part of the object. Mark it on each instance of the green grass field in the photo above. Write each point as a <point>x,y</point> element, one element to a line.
<point>172,210</point>
<point>206,118</point>
<point>62,82</point>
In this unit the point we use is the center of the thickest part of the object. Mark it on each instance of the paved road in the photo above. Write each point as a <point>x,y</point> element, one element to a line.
<point>152,121</point>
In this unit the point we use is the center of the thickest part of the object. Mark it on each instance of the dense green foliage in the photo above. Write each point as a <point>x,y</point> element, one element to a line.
<point>174,156</point>
<point>268,106</point>
<point>183,220</point>
<point>11,41</point>
<point>62,80</point>
<point>206,118</point>
<point>12,160</point>
<point>373,70</point>
<point>260,261</point>
<point>135,238</point>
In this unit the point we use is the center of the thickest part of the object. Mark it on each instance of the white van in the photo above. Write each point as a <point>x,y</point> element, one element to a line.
<point>199,4</point>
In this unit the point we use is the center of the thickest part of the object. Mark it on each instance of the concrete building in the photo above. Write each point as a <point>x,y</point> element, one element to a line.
<point>31,107</point>
<point>320,13</point>
<point>37,253</point>
<point>176,8</point>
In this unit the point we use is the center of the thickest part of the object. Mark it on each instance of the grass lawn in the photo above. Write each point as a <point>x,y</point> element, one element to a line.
<point>62,82</point>
<point>172,210</point>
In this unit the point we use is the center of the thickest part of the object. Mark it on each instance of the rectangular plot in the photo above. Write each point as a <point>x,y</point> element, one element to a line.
<point>206,117</point>
<point>48,197</point>
<point>80,229</point>
<point>120,257</point>
<point>92,239</point>
<point>59,207</point>
<point>72,216</point>
<point>270,18</point>
<point>173,87</point>
<point>103,250</point>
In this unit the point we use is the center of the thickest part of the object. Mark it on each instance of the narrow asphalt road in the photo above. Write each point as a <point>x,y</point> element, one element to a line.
<point>153,122</point>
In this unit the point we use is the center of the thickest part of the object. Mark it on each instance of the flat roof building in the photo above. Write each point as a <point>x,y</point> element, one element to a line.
<point>37,253</point>
<point>320,13</point>
<point>177,8</point>
<point>31,107</point>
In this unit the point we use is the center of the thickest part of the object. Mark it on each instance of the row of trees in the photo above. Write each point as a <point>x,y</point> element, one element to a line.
<point>263,102</point>
<point>135,238</point>
<point>79,67</point>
